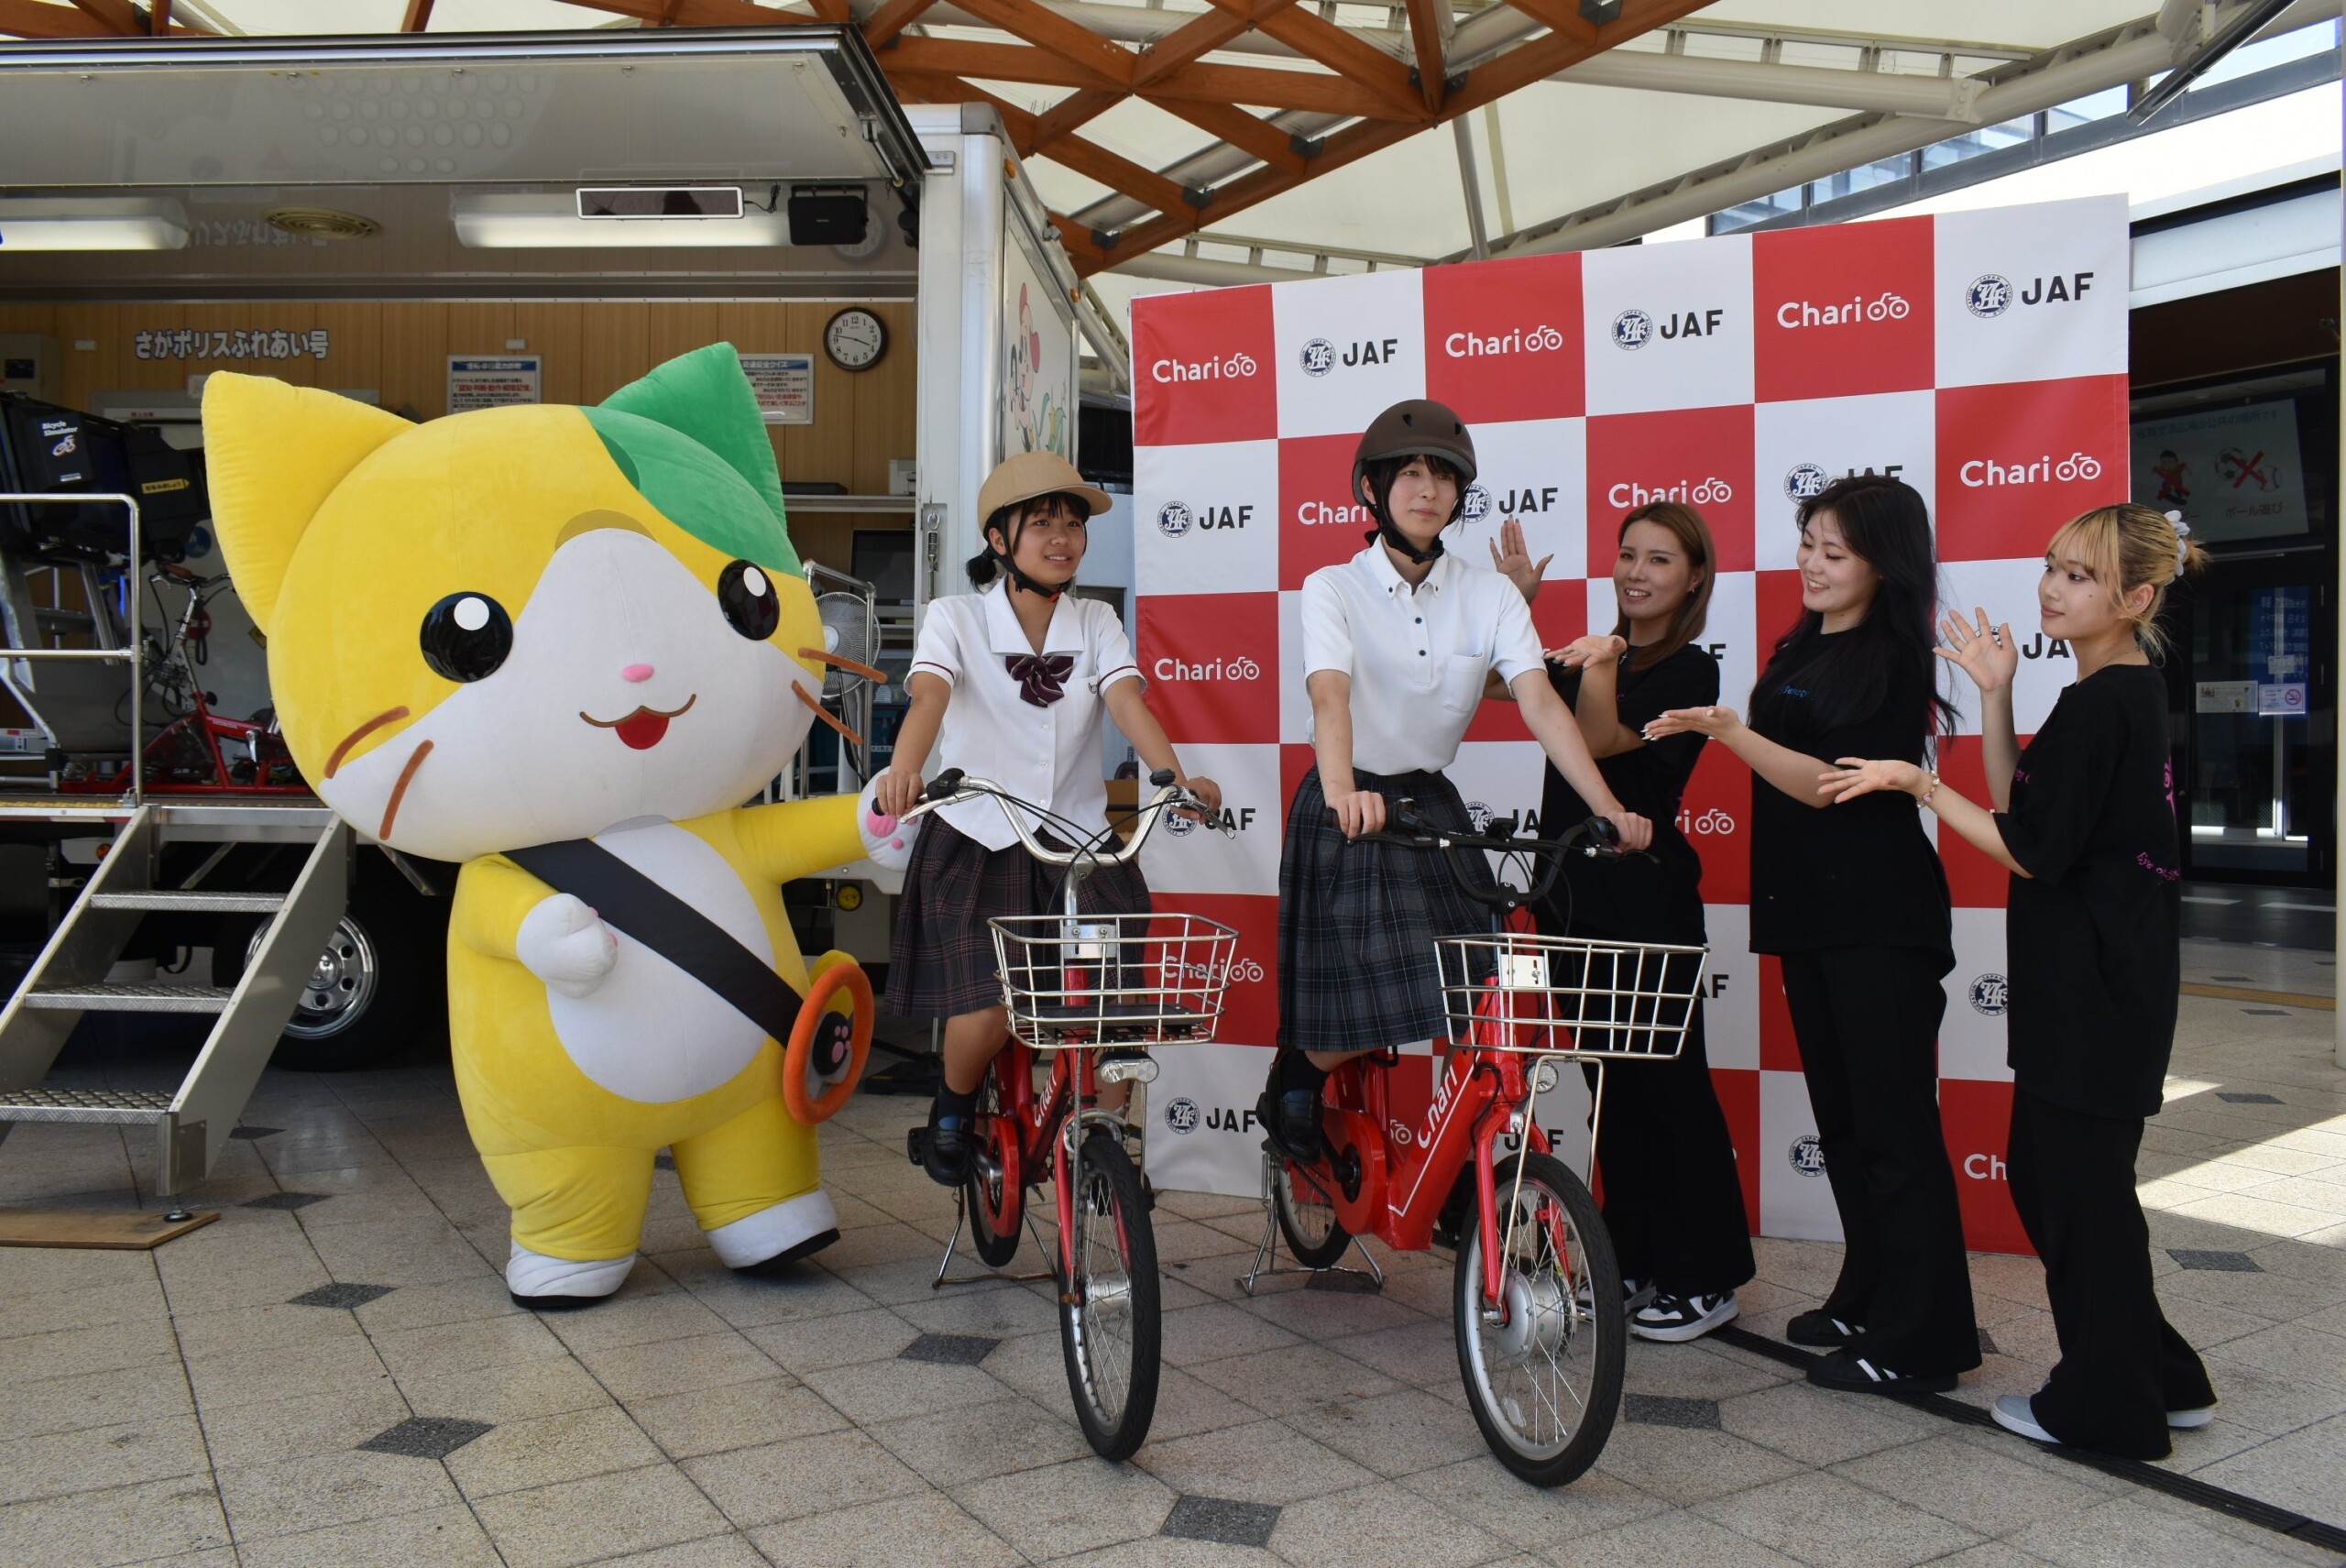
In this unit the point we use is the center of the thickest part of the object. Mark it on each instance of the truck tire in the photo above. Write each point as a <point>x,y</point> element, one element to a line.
<point>380,986</point>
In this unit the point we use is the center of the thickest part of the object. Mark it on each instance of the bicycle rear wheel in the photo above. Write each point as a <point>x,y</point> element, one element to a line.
<point>1546,1384</point>
<point>993,1194</point>
<point>1308,1216</point>
<point>1109,1327</point>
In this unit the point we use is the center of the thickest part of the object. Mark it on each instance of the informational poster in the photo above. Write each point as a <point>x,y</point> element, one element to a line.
<point>2280,650</point>
<point>784,385</point>
<point>477,382</point>
<point>2232,473</point>
<point>1038,386</point>
<point>1979,355</point>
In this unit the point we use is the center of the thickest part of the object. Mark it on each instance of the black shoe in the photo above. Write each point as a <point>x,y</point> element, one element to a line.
<point>1290,1123</point>
<point>1820,1329</point>
<point>1672,1319</point>
<point>1854,1374</point>
<point>945,1152</point>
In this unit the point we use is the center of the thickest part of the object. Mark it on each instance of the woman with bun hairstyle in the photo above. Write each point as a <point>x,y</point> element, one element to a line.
<point>2084,821</point>
<point>1397,643</point>
<point>1674,1201</point>
<point>1011,683</point>
<point>1856,910</point>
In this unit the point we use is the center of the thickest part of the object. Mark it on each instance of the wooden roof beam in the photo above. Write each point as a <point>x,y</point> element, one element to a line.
<point>1248,133</point>
<point>1202,36</point>
<point>893,18</point>
<point>1308,34</point>
<point>1089,158</point>
<point>1426,44</point>
<point>1106,61</point>
<point>1313,92</point>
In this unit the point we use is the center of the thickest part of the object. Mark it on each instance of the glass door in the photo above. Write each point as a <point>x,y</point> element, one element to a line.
<point>2257,735</point>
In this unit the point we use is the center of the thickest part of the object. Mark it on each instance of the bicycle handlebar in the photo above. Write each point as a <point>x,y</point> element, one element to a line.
<point>953,786</point>
<point>1597,838</point>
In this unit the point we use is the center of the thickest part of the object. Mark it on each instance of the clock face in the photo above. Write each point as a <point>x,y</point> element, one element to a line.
<point>855,339</point>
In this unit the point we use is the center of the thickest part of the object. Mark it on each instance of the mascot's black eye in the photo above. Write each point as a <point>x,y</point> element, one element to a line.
<point>466,636</point>
<point>751,607</point>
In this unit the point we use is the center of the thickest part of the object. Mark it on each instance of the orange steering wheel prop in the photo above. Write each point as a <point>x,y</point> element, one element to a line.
<point>816,1026</point>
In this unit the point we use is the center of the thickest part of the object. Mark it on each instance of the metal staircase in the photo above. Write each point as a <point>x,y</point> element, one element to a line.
<point>69,979</point>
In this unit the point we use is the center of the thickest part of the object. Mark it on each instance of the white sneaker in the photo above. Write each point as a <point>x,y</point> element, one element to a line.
<point>2014,1413</point>
<point>2191,1420</point>
<point>1674,1319</point>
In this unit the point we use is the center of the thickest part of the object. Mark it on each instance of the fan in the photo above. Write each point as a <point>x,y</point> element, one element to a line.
<point>848,631</point>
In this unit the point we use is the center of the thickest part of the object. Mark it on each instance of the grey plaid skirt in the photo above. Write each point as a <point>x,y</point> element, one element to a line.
<point>941,960</point>
<point>1357,922</point>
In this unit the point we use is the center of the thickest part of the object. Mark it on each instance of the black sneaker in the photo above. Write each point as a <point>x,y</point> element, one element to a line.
<point>1674,1319</point>
<point>1822,1331</point>
<point>1854,1374</point>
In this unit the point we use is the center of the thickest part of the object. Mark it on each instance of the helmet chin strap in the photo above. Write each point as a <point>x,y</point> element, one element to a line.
<point>1019,579</point>
<point>1390,532</point>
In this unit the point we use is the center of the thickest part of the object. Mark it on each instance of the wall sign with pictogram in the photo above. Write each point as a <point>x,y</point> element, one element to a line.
<point>1981,356</point>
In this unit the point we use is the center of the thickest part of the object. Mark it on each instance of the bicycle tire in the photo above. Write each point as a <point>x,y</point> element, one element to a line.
<point>993,1194</point>
<point>1314,1242</point>
<point>1111,1327</point>
<point>1501,1365</point>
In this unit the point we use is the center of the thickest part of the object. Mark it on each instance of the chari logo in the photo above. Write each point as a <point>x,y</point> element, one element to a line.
<point>1238,669</point>
<point>1234,366</point>
<point>1712,492</point>
<point>1981,473</point>
<point>1794,314</point>
<point>1539,339</point>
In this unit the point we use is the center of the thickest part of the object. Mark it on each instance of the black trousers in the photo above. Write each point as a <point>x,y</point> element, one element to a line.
<point>1867,1019</point>
<point>2122,1366</point>
<point>1673,1199</point>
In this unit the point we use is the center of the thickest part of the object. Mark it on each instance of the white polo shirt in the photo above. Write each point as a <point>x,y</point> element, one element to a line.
<point>1417,656</point>
<point>1049,755</point>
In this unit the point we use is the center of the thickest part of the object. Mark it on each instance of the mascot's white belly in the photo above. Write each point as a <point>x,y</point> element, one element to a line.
<point>650,1032</point>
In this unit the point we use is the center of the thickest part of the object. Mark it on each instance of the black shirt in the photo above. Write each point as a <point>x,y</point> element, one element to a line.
<point>2091,932</point>
<point>1634,897</point>
<point>1860,875</point>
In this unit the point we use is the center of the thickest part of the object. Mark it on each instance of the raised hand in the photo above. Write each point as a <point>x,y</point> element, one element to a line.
<point>1511,559</point>
<point>1988,654</point>
<point>1593,649</point>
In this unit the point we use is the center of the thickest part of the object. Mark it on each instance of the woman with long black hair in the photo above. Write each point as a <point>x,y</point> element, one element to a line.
<point>1673,1199</point>
<point>1856,909</point>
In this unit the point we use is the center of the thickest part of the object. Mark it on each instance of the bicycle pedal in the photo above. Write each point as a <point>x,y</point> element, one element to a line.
<point>916,1144</point>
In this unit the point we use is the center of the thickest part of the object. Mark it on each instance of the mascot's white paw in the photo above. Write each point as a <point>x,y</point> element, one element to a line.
<point>564,944</point>
<point>887,841</point>
<point>533,1274</point>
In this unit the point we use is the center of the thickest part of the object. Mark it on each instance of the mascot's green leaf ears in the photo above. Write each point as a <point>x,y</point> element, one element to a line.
<point>662,431</point>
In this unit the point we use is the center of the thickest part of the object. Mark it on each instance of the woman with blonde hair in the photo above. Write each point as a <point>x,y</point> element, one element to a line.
<point>2084,821</point>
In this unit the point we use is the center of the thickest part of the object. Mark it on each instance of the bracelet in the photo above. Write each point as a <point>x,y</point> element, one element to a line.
<point>1932,789</point>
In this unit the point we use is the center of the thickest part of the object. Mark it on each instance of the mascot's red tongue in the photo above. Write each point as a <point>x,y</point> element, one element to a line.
<point>642,729</point>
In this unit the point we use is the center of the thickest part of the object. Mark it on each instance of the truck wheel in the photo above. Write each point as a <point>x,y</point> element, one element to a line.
<point>379,986</point>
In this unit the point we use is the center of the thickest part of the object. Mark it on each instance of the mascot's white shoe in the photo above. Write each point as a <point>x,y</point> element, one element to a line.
<point>537,1280</point>
<point>782,1234</point>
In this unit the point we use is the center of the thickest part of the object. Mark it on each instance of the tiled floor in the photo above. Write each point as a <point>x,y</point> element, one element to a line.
<point>332,1374</point>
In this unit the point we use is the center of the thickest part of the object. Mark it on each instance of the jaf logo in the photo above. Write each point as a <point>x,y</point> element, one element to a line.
<point>1635,329</point>
<point>1320,355</point>
<point>1182,1116</point>
<point>1480,503</point>
<point>1541,339</point>
<point>1807,1155</point>
<point>1175,520</point>
<point>1475,505</point>
<point>1991,293</point>
<point>1241,668</point>
<point>1982,472</point>
<point>1185,1116</point>
<point>1805,482</point>
<point>1794,314</point>
<point>1229,819</point>
<point>1989,993</point>
<point>1478,816</point>
<point>1233,367</point>
<point>1696,492</point>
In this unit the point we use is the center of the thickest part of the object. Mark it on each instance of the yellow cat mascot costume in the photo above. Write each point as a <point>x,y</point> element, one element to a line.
<point>578,639</point>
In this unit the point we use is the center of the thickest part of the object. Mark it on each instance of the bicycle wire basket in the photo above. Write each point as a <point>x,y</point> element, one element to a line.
<point>1516,991</point>
<point>1125,980</point>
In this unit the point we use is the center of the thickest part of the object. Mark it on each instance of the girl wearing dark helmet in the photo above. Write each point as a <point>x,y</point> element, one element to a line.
<point>1398,642</point>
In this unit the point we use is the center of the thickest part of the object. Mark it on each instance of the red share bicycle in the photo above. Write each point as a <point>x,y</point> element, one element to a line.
<point>1094,994</point>
<point>1538,1302</point>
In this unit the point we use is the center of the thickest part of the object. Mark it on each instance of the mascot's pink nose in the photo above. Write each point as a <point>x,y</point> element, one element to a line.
<point>636,672</point>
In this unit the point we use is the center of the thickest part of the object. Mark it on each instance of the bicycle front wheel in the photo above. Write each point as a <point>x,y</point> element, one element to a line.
<point>1110,1326</point>
<point>1545,1385</point>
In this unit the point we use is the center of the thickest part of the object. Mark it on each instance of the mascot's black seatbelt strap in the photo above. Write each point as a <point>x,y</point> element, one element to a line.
<point>628,901</point>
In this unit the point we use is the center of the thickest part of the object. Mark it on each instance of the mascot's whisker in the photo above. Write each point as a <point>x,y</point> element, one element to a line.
<point>388,716</point>
<point>399,790</point>
<point>815,707</point>
<point>841,661</point>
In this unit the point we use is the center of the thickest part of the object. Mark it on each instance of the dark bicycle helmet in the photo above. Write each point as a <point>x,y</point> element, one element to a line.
<point>1418,427</point>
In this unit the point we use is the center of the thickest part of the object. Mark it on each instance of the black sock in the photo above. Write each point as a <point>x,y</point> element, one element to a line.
<point>1296,1070</point>
<point>953,1108</point>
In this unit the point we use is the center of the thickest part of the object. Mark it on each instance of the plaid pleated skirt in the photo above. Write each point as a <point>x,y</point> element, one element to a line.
<point>1358,921</point>
<point>941,959</point>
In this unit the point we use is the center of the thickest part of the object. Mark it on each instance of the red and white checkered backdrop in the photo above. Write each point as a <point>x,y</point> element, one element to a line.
<point>1981,356</point>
